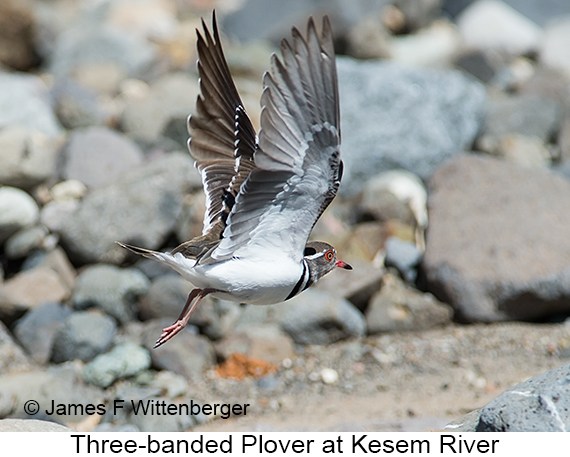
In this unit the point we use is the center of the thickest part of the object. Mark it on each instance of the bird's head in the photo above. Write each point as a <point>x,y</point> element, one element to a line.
<point>321,258</point>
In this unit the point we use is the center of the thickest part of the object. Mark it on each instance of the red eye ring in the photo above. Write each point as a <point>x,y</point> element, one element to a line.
<point>329,255</point>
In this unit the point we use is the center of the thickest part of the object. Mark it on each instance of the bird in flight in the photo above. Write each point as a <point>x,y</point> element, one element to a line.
<point>264,193</point>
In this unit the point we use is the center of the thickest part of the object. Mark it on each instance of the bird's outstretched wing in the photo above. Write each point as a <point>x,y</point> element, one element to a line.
<point>222,139</point>
<point>298,167</point>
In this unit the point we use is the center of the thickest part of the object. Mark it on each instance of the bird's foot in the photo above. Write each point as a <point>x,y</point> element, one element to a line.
<point>169,332</point>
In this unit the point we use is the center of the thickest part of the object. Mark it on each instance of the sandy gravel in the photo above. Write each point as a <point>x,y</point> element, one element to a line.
<point>406,381</point>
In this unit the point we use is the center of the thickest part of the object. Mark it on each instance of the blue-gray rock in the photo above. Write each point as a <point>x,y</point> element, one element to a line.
<point>396,117</point>
<point>540,404</point>
<point>113,290</point>
<point>124,360</point>
<point>397,307</point>
<point>187,354</point>
<point>83,335</point>
<point>97,156</point>
<point>17,210</point>
<point>24,241</point>
<point>486,250</point>
<point>25,102</point>
<point>403,255</point>
<point>12,356</point>
<point>143,208</point>
<point>28,157</point>
<point>313,317</point>
<point>37,329</point>
<point>58,385</point>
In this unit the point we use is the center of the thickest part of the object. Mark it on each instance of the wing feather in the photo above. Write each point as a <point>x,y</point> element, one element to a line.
<point>298,167</point>
<point>222,138</point>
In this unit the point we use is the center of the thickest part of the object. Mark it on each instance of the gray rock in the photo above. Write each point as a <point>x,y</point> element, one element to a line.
<point>107,427</point>
<point>31,288</point>
<point>478,64</point>
<point>540,404</point>
<point>529,115</point>
<point>171,97</point>
<point>403,255</point>
<point>17,210</point>
<point>525,150</point>
<point>55,213</point>
<point>537,12</point>
<point>313,317</point>
<point>60,385</point>
<point>31,425</point>
<point>37,329</point>
<point>143,206</point>
<point>111,289</point>
<point>492,24</point>
<point>124,360</point>
<point>486,250</point>
<point>28,157</point>
<point>83,335</point>
<point>97,156</point>
<point>170,384</point>
<point>553,51</point>
<point>98,55</point>
<point>24,241</point>
<point>259,341</point>
<point>357,286</point>
<point>396,117</point>
<point>187,354</point>
<point>168,294</point>
<point>12,356</point>
<point>467,423</point>
<point>418,14</point>
<point>161,423</point>
<point>396,194</point>
<point>166,297</point>
<point>25,102</point>
<point>78,106</point>
<point>397,307</point>
<point>272,19</point>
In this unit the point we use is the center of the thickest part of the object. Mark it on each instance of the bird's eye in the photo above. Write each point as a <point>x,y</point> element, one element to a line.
<point>329,255</point>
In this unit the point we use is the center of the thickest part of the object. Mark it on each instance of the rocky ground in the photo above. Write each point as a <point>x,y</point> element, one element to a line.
<point>452,211</point>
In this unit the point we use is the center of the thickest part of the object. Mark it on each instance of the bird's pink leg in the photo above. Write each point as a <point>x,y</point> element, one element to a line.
<point>169,332</point>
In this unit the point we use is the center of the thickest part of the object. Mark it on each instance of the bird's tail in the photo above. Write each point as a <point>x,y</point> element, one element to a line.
<point>140,251</point>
